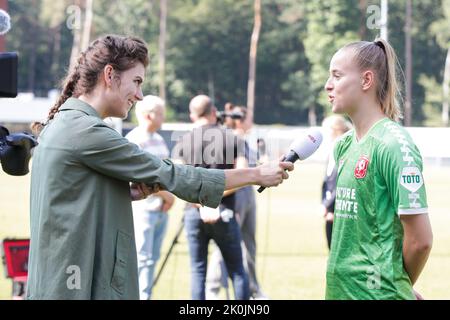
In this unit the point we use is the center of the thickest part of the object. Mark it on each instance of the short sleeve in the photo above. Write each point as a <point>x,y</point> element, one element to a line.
<point>400,163</point>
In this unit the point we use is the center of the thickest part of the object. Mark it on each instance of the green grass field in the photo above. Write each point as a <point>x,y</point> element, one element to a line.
<point>292,252</point>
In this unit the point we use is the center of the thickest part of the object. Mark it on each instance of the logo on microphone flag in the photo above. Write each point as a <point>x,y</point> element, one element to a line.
<point>361,167</point>
<point>312,138</point>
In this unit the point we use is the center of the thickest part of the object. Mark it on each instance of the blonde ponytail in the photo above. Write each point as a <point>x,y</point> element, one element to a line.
<point>390,95</point>
<point>381,58</point>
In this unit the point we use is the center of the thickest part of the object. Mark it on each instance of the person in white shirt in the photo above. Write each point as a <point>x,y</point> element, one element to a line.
<point>150,214</point>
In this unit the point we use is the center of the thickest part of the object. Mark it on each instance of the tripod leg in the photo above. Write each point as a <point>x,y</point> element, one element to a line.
<point>174,242</point>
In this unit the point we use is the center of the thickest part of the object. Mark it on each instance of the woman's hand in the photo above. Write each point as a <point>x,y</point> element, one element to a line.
<point>273,173</point>
<point>141,191</point>
<point>328,215</point>
<point>266,175</point>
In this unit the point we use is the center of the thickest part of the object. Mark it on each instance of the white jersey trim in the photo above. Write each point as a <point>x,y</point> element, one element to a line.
<point>413,211</point>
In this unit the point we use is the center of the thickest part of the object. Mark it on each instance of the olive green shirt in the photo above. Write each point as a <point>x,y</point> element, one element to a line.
<point>82,237</point>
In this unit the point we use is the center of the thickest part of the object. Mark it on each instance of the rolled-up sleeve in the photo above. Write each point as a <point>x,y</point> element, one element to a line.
<point>105,151</point>
<point>211,187</point>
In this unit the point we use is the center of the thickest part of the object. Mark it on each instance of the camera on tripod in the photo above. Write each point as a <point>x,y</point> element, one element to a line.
<point>15,148</point>
<point>222,115</point>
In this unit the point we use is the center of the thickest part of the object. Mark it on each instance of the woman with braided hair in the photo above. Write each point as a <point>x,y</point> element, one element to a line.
<point>82,238</point>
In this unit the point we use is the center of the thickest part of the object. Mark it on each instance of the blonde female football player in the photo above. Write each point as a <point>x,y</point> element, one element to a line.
<point>381,234</point>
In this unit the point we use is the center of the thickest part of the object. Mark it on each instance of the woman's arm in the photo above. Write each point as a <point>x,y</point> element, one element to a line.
<point>417,242</point>
<point>108,153</point>
<point>241,163</point>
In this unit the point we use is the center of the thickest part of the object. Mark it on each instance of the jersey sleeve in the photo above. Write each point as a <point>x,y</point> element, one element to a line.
<point>400,163</point>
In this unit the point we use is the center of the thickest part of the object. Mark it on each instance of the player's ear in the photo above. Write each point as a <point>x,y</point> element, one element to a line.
<point>367,80</point>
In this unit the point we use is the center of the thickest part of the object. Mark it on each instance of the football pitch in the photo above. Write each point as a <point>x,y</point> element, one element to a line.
<point>292,251</point>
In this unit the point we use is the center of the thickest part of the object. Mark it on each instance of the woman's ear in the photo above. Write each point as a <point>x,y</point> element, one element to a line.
<point>367,80</point>
<point>108,75</point>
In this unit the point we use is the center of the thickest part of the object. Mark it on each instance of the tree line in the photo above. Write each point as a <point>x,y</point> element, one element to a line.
<point>203,46</point>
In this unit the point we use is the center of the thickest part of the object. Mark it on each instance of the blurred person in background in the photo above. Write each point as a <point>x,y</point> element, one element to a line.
<point>334,126</point>
<point>245,209</point>
<point>210,146</point>
<point>150,215</point>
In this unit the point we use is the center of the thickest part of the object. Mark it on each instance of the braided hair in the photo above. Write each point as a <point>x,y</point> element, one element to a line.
<point>122,53</point>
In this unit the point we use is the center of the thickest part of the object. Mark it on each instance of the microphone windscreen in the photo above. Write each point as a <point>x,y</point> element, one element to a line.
<point>302,147</point>
<point>307,144</point>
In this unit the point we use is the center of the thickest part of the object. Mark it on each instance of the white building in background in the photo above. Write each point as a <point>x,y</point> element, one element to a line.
<point>26,108</point>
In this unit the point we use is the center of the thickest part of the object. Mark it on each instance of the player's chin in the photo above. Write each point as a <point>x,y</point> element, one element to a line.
<point>336,108</point>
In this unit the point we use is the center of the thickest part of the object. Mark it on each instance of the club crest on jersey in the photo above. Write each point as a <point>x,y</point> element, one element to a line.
<point>361,167</point>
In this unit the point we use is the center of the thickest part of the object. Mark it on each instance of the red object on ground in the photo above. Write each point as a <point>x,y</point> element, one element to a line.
<point>15,261</point>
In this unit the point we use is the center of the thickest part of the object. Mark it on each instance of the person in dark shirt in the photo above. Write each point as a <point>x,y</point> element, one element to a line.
<point>245,210</point>
<point>210,146</point>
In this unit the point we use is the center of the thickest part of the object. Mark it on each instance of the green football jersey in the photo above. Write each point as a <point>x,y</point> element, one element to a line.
<point>379,178</point>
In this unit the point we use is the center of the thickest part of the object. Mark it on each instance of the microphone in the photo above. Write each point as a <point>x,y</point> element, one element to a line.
<point>5,22</point>
<point>302,147</point>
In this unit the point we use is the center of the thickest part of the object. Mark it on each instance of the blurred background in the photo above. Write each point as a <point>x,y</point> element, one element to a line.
<point>271,55</point>
<point>204,45</point>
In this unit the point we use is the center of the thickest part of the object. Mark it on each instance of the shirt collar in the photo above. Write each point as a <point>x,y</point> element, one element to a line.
<point>76,104</point>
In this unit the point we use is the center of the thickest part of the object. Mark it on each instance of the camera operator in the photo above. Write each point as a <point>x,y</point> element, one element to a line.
<point>227,117</point>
